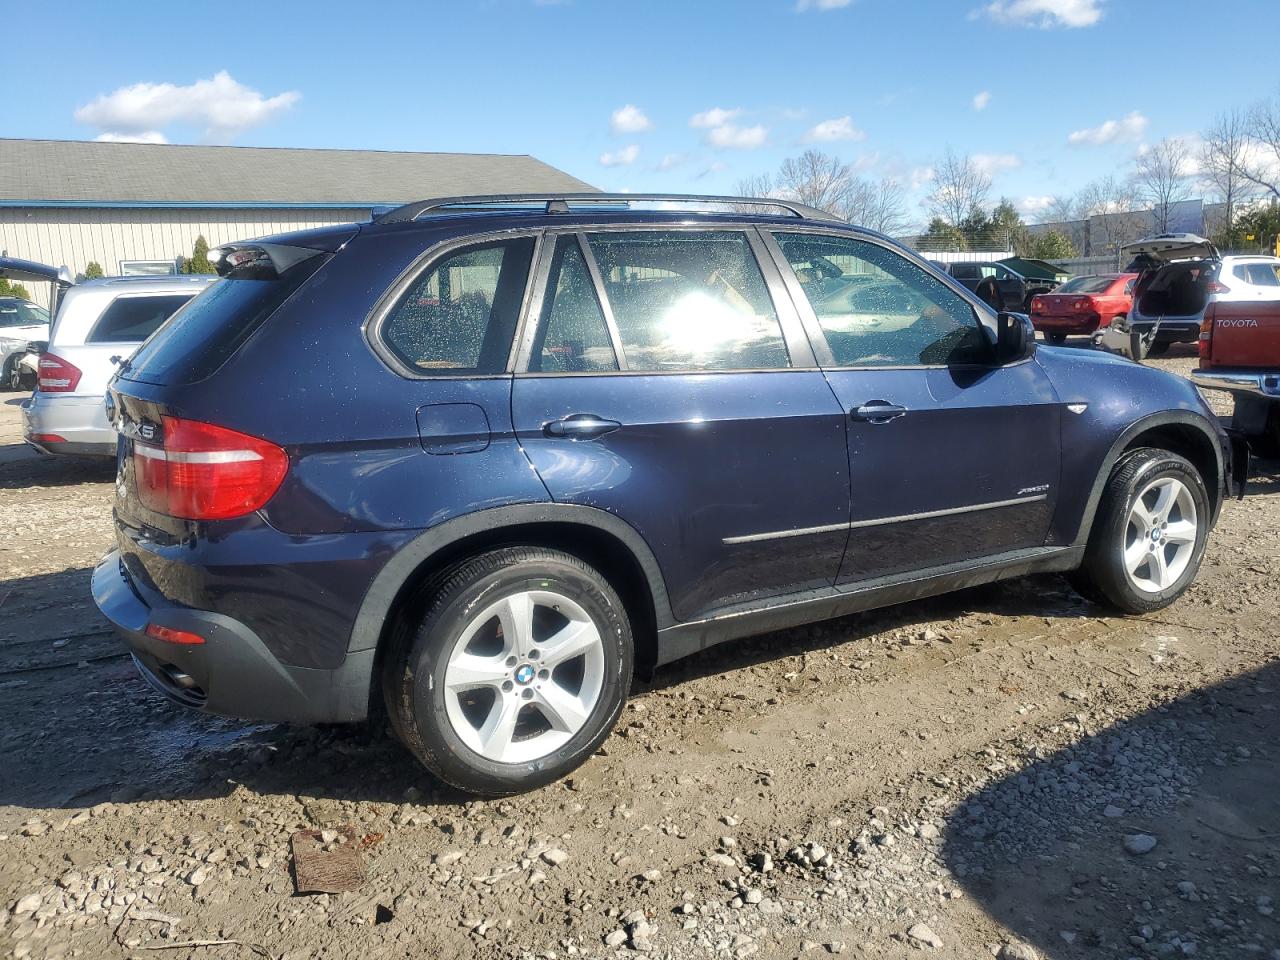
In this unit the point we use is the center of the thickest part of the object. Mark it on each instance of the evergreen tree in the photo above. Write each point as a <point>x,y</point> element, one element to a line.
<point>93,270</point>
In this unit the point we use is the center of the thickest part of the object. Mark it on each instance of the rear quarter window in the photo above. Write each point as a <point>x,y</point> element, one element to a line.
<point>131,319</point>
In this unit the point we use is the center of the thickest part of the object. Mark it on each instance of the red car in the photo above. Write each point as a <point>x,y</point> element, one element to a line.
<point>1083,305</point>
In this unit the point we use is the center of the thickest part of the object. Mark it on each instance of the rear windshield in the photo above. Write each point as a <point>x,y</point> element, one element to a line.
<point>1086,285</point>
<point>134,318</point>
<point>19,313</point>
<point>213,325</point>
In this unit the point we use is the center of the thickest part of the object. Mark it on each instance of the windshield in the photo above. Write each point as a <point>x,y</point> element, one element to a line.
<point>21,313</point>
<point>1086,285</point>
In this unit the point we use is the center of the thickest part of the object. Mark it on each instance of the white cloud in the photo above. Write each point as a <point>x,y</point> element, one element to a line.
<point>1128,129</point>
<point>146,136</point>
<point>730,137</point>
<point>1034,206</point>
<point>980,100</point>
<point>629,119</point>
<point>1043,14</point>
<point>828,131</point>
<point>919,177</point>
<point>671,161</point>
<point>718,166</point>
<point>715,117</point>
<point>220,105</point>
<point>622,157</point>
<point>803,5</point>
<point>993,163</point>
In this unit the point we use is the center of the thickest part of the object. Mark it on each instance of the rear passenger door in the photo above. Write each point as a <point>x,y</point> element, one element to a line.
<point>952,457</point>
<point>664,380</point>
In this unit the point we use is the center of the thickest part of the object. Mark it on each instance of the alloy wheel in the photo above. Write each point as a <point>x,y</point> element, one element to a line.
<point>1160,537</point>
<point>524,676</point>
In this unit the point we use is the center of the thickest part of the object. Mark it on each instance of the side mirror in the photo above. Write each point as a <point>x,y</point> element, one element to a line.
<point>1015,337</point>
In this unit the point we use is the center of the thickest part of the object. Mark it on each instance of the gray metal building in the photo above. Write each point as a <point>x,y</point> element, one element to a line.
<point>138,207</point>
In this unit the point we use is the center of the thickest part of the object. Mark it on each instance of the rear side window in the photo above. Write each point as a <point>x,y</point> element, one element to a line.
<point>20,313</point>
<point>131,319</point>
<point>573,336</point>
<point>1258,274</point>
<point>689,300</point>
<point>459,316</point>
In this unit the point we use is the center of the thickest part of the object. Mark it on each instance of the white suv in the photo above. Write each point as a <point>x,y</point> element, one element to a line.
<point>1180,274</point>
<point>99,322</point>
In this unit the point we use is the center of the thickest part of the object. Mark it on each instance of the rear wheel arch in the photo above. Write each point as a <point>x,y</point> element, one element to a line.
<point>599,539</point>
<point>1187,434</point>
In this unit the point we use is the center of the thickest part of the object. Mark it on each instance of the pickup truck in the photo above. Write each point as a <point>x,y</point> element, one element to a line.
<point>1240,353</point>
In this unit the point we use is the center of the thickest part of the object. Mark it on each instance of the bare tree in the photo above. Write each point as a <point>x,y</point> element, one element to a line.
<point>1062,209</point>
<point>823,181</point>
<point>1108,205</point>
<point>1223,161</point>
<point>1262,164</point>
<point>878,206</point>
<point>1161,177</point>
<point>959,187</point>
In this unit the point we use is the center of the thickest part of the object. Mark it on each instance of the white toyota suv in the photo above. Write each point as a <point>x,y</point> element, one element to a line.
<point>99,323</point>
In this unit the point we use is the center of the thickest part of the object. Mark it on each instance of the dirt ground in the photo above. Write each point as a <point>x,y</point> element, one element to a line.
<point>1001,772</point>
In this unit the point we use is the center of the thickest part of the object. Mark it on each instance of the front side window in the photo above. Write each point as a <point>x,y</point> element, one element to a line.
<point>689,300</point>
<point>458,316</point>
<point>572,334</point>
<point>878,309</point>
<point>132,319</point>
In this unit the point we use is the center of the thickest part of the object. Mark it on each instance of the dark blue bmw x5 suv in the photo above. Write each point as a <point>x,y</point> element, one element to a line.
<point>477,460</point>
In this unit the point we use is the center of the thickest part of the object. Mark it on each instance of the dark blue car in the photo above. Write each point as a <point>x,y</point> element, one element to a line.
<point>475,462</point>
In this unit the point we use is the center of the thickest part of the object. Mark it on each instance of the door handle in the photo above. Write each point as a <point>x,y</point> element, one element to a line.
<point>580,426</point>
<point>878,411</point>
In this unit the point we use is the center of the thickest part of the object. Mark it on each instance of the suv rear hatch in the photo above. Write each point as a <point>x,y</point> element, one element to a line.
<point>1176,274</point>
<point>174,469</point>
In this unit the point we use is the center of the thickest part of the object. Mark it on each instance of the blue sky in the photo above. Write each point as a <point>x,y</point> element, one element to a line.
<point>720,90</point>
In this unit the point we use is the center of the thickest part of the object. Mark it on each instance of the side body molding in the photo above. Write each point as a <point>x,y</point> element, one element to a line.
<point>387,585</point>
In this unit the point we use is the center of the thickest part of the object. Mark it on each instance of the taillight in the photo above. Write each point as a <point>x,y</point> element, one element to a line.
<point>1204,345</point>
<point>1036,304</point>
<point>170,635</point>
<point>1080,303</point>
<point>1216,286</point>
<point>57,375</point>
<point>207,472</point>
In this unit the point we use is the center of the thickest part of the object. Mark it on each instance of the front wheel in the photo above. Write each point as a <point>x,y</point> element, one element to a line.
<point>1148,535</point>
<point>514,674</point>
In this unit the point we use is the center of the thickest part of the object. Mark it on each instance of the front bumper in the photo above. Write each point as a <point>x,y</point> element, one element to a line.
<point>232,673</point>
<point>1258,383</point>
<point>81,421</point>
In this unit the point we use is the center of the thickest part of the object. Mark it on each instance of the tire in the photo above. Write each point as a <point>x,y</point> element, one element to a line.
<point>1056,336</point>
<point>477,703</point>
<point>11,376</point>
<point>1266,445</point>
<point>1119,530</point>
<point>1159,348</point>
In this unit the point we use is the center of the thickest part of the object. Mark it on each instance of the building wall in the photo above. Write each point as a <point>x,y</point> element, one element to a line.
<point>74,236</point>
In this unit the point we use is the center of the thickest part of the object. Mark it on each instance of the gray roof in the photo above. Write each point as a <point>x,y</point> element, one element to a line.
<point>72,172</point>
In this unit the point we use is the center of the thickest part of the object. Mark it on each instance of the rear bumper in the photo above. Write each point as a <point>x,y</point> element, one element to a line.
<point>81,422</point>
<point>1258,383</point>
<point>1081,323</point>
<point>232,673</point>
<point>1171,331</point>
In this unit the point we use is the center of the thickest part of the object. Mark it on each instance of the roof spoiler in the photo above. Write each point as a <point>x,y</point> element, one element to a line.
<point>256,260</point>
<point>552,203</point>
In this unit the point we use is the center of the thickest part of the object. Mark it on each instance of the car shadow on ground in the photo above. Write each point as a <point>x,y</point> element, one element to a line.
<point>1154,836</point>
<point>22,466</point>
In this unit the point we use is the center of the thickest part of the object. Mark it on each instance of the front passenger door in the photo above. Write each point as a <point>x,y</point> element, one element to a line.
<point>952,457</point>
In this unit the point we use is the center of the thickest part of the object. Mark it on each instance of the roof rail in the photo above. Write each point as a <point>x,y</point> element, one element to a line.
<point>560,202</point>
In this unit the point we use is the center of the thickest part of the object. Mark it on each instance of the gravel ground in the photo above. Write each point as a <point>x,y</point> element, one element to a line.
<point>1002,772</point>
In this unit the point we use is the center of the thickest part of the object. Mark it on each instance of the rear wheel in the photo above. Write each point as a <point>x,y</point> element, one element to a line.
<point>1159,348</point>
<point>514,674</point>
<point>1148,535</point>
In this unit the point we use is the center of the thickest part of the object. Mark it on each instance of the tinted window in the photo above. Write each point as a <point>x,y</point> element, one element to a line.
<point>572,333</point>
<point>963,272</point>
<point>131,319</point>
<point>689,300</point>
<point>20,313</point>
<point>1258,274</point>
<point>1086,285</point>
<point>209,329</point>
<point>879,309</point>
<point>459,316</point>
